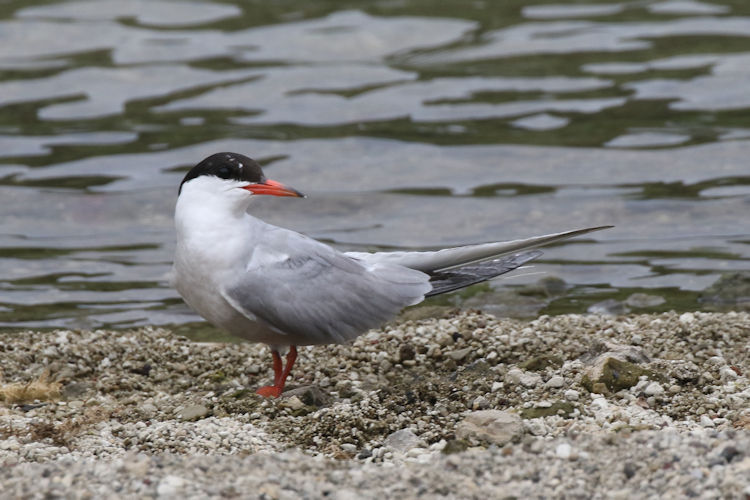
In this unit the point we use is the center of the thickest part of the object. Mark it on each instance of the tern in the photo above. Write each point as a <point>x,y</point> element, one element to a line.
<point>272,285</point>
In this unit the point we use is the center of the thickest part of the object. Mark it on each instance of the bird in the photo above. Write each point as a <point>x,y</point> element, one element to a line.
<point>272,285</point>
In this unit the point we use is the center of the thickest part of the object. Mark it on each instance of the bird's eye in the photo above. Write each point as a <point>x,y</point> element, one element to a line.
<point>224,172</point>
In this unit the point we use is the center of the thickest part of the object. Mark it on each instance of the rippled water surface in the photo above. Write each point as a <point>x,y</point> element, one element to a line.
<point>409,124</point>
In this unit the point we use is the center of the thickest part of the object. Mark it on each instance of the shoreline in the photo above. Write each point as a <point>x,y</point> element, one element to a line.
<point>467,405</point>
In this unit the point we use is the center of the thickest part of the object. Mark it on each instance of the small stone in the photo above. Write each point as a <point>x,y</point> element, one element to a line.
<point>169,486</point>
<point>536,446</point>
<point>75,405</point>
<point>547,409</point>
<point>402,440</point>
<point>563,450</point>
<point>536,427</point>
<point>517,376</point>
<point>629,469</point>
<point>11,444</point>
<point>443,339</point>
<point>541,363</point>
<point>458,354</point>
<point>349,447</point>
<point>193,412</point>
<point>616,369</point>
<point>406,352</point>
<point>148,409</point>
<point>455,446</point>
<point>726,373</point>
<point>480,403</point>
<point>496,386</point>
<point>493,426</point>
<point>687,317</point>
<point>555,382</point>
<point>571,395</point>
<point>706,421</point>
<point>654,389</point>
<point>293,403</point>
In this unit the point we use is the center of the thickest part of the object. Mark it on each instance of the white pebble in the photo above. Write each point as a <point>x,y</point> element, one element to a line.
<point>572,395</point>
<point>727,373</point>
<point>563,451</point>
<point>706,421</point>
<point>687,317</point>
<point>654,389</point>
<point>169,486</point>
<point>555,382</point>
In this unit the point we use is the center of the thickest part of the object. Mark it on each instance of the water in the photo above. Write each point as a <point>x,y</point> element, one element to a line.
<point>409,124</point>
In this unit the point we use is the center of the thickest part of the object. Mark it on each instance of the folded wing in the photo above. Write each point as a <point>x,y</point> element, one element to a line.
<point>317,295</point>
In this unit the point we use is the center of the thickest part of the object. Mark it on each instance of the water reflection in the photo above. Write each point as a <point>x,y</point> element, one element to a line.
<point>410,125</point>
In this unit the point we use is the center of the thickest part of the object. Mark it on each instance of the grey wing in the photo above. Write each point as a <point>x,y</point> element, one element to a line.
<point>318,295</point>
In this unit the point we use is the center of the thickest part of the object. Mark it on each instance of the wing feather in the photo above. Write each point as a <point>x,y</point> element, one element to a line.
<point>448,258</point>
<point>318,295</point>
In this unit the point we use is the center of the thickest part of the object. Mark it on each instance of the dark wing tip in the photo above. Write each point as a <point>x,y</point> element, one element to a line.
<point>470,274</point>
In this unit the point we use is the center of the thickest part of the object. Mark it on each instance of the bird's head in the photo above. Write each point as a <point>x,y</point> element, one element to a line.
<point>231,176</point>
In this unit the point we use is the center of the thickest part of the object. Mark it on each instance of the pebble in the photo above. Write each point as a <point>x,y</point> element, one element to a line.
<point>687,317</point>
<point>293,403</point>
<point>571,395</point>
<point>193,412</point>
<point>402,441</point>
<point>246,445</point>
<point>458,354</point>
<point>706,421</point>
<point>517,376</point>
<point>726,373</point>
<point>169,486</point>
<point>555,382</point>
<point>563,450</point>
<point>480,403</point>
<point>654,389</point>
<point>493,426</point>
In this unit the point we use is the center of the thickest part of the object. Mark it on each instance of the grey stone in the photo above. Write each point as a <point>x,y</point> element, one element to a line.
<point>193,412</point>
<point>458,354</point>
<point>517,376</point>
<point>555,382</point>
<point>492,426</point>
<point>402,440</point>
<point>654,389</point>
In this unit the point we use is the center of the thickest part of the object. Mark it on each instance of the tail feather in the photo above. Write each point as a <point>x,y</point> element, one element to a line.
<point>449,258</point>
<point>460,277</point>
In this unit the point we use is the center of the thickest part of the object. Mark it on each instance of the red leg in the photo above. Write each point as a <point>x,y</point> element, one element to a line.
<point>279,374</point>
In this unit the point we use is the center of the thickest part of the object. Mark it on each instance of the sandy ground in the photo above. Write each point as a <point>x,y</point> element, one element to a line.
<point>462,406</point>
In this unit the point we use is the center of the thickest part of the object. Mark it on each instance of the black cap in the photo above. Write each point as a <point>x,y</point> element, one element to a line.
<point>227,166</point>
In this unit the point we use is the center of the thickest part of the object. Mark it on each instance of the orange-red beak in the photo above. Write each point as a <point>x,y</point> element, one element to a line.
<point>273,188</point>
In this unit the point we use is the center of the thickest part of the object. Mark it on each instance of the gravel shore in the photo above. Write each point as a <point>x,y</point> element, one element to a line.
<point>462,406</point>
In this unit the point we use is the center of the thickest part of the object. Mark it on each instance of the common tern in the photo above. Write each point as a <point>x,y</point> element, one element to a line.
<point>272,285</point>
